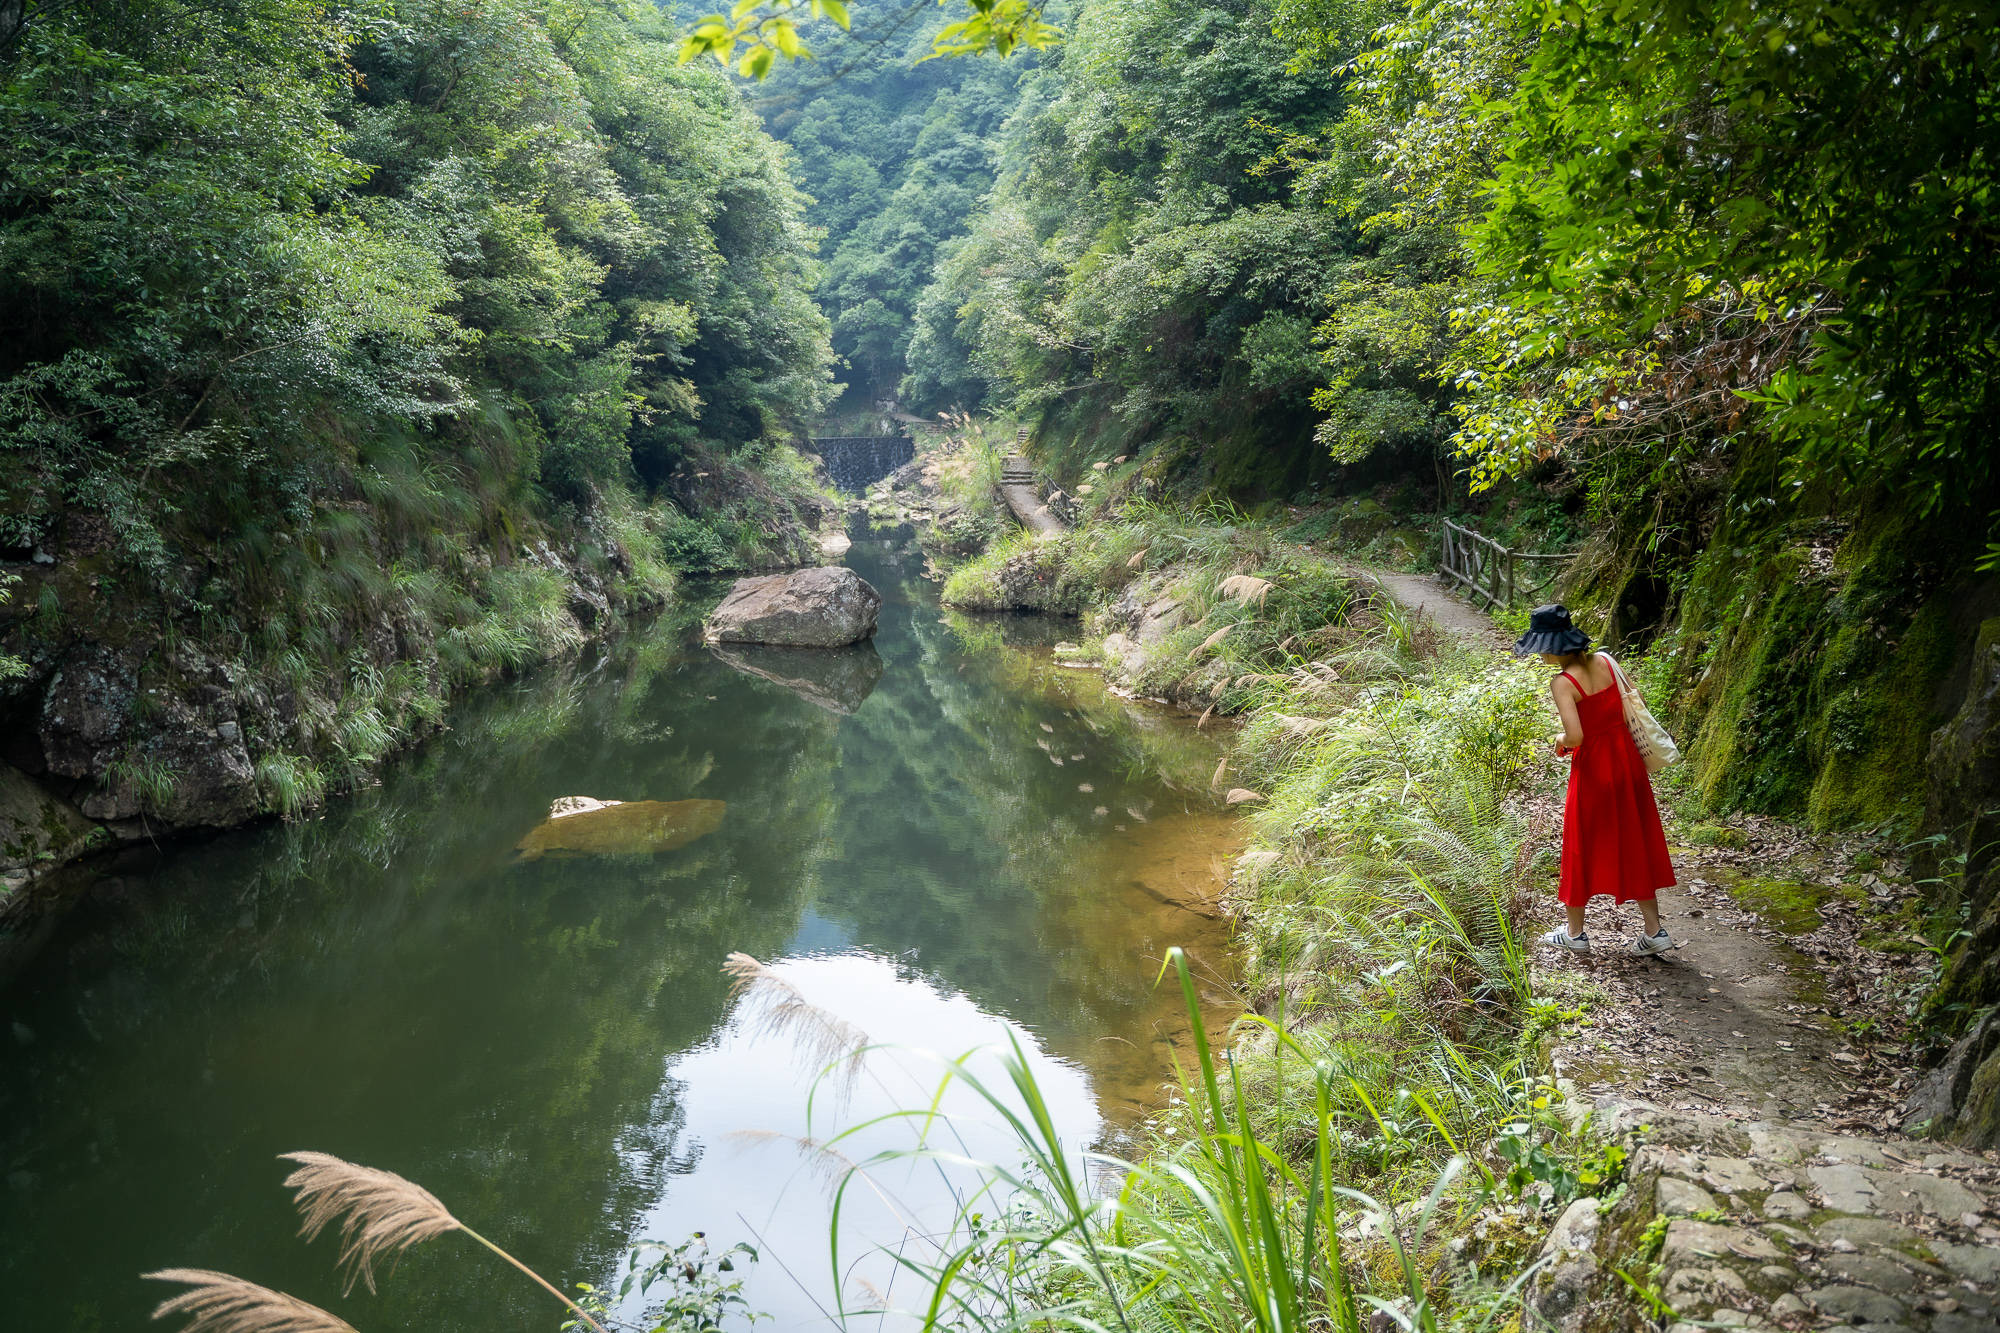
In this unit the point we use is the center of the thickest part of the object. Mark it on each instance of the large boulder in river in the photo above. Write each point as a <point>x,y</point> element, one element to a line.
<point>827,607</point>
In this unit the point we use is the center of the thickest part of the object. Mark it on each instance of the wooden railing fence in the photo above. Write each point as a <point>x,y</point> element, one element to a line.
<point>1494,572</point>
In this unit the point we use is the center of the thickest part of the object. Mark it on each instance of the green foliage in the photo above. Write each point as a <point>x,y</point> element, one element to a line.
<point>500,231</point>
<point>318,326</point>
<point>895,156</point>
<point>11,667</point>
<point>690,544</point>
<point>765,31</point>
<point>1807,167</point>
<point>289,785</point>
<point>1390,777</point>
<point>1533,1163</point>
<point>696,1296</point>
<point>1689,226</point>
<point>1129,251</point>
<point>148,777</point>
<point>764,36</point>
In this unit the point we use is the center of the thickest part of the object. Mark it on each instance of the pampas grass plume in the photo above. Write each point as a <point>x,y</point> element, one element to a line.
<point>379,1211</point>
<point>1245,588</point>
<point>823,1039</point>
<point>218,1303</point>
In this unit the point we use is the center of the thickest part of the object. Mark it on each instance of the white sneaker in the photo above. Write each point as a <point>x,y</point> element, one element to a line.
<point>1562,939</point>
<point>1655,943</point>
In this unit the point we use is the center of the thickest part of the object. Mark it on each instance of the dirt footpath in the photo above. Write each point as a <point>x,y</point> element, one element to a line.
<point>1425,594</point>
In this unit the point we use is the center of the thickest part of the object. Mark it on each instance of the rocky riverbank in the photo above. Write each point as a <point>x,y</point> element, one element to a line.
<point>152,707</point>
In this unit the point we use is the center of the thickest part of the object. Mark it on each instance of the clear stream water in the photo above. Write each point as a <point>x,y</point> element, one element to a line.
<point>550,1045</point>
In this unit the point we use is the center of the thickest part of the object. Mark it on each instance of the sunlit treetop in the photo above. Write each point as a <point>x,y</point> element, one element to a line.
<point>753,35</point>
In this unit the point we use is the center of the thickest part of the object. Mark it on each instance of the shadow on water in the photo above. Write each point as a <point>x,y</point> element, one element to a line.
<point>943,838</point>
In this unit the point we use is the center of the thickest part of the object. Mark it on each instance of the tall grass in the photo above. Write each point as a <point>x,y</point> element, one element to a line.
<point>289,785</point>
<point>1393,867</point>
<point>1230,1230</point>
<point>650,578</point>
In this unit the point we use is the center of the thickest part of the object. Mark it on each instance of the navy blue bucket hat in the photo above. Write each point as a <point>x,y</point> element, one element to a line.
<point>1550,631</point>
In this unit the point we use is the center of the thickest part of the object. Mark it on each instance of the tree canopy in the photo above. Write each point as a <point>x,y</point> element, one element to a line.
<point>236,237</point>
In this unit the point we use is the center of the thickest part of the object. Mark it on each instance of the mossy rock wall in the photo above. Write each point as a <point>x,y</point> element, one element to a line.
<point>1838,663</point>
<point>1965,807</point>
<point>1809,660</point>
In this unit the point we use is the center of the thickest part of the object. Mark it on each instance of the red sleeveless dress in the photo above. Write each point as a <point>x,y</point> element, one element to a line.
<point>1612,841</point>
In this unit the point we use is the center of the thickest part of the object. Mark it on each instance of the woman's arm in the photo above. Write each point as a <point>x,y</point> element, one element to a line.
<point>1564,694</point>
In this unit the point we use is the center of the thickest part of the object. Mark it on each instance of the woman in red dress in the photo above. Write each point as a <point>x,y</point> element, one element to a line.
<point>1612,841</point>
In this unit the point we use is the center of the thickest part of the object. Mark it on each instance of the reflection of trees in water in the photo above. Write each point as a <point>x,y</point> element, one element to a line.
<point>966,848</point>
<point>388,983</point>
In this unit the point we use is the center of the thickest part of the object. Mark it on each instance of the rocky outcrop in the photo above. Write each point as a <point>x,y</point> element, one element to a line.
<point>1145,624</point>
<point>838,679</point>
<point>168,743</point>
<point>779,529</point>
<point>1034,579</point>
<point>38,828</point>
<point>132,721</point>
<point>948,530</point>
<point>826,607</point>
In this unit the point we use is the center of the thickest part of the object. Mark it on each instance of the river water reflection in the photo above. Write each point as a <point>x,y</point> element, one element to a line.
<point>952,843</point>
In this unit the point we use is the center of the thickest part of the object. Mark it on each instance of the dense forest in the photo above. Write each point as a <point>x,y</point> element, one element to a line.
<point>1662,282</point>
<point>1701,292</point>
<point>320,325</point>
<point>897,155</point>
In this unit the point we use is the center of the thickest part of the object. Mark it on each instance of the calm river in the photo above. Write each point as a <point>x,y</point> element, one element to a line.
<point>939,841</point>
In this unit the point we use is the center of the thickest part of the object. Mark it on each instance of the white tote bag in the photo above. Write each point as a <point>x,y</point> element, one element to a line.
<point>1656,747</point>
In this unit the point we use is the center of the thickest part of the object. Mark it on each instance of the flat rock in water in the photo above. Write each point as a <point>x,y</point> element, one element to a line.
<point>826,607</point>
<point>581,826</point>
<point>838,679</point>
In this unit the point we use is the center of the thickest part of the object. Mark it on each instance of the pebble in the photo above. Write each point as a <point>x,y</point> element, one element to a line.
<point>1787,1306</point>
<point>1678,1198</point>
<point>1786,1204</point>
